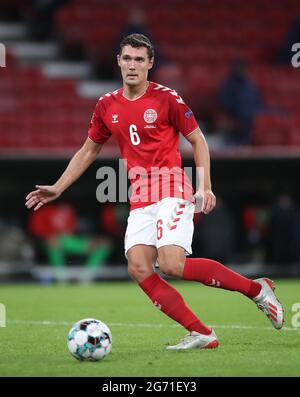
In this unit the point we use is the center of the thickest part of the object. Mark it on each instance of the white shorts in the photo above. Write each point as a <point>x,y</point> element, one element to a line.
<point>167,222</point>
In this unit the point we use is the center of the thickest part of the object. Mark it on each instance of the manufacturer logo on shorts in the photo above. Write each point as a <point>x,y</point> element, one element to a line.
<point>150,116</point>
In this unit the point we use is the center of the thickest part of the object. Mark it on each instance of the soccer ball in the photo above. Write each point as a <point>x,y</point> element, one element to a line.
<point>89,340</point>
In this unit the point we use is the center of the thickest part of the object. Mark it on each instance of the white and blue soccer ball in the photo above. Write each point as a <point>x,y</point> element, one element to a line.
<point>89,340</point>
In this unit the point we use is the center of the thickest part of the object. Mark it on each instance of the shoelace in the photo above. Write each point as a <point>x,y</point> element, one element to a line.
<point>263,302</point>
<point>187,339</point>
<point>264,307</point>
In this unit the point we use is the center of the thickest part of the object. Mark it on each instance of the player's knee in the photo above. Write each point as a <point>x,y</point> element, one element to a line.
<point>138,271</point>
<point>171,267</point>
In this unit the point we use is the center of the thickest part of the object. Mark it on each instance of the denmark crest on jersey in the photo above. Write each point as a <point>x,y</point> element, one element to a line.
<point>150,116</point>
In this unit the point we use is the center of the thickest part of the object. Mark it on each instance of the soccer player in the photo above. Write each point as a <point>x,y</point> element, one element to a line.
<point>147,118</point>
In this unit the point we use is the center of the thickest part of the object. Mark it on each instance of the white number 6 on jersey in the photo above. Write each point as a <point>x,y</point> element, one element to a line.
<point>134,136</point>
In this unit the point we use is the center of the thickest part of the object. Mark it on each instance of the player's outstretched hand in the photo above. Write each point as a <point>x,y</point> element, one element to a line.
<point>43,195</point>
<point>208,200</point>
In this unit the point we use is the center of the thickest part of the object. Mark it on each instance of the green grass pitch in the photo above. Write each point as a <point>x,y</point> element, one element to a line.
<point>33,343</point>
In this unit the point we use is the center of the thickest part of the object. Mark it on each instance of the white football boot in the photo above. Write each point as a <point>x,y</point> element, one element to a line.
<point>268,303</point>
<point>194,340</point>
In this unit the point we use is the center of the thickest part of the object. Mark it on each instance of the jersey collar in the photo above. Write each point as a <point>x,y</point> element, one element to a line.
<point>146,93</point>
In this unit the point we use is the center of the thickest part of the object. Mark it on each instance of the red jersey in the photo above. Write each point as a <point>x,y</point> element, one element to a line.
<point>147,130</point>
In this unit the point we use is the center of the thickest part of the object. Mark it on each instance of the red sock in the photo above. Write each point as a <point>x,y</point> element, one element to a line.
<point>214,274</point>
<point>169,301</point>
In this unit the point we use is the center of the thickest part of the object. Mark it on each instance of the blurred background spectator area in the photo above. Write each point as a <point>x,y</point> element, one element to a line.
<point>62,57</point>
<point>57,234</point>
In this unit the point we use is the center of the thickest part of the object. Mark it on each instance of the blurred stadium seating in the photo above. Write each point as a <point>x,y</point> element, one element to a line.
<point>38,112</point>
<point>199,41</point>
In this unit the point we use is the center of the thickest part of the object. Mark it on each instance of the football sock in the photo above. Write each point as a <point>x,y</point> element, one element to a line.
<point>214,274</point>
<point>169,301</point>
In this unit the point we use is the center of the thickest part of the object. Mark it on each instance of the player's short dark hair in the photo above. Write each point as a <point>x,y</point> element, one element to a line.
<point>137,40</point>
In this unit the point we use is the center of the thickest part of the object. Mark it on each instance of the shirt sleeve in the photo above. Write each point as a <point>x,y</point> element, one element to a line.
<point>98,132</point>
<point>181,115</point>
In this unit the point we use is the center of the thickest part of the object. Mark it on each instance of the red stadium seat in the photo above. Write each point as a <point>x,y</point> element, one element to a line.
<point>202,45</point>
<point>294,132</point>
<point>270,130</point>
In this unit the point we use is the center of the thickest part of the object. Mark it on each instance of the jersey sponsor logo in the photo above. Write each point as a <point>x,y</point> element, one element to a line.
<point>115,118</point>
<point>150,116</point>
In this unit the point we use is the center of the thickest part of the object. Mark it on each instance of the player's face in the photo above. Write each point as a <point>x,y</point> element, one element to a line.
<point>134,64</point>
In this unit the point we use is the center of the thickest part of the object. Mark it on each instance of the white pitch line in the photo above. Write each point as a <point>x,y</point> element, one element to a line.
<point>139,325</point>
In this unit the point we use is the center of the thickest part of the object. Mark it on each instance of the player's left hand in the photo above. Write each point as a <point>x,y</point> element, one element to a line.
<point>209,200</point>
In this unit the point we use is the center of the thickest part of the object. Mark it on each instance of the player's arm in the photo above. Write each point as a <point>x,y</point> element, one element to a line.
<point>79,163</point>
<point>202,162</point>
